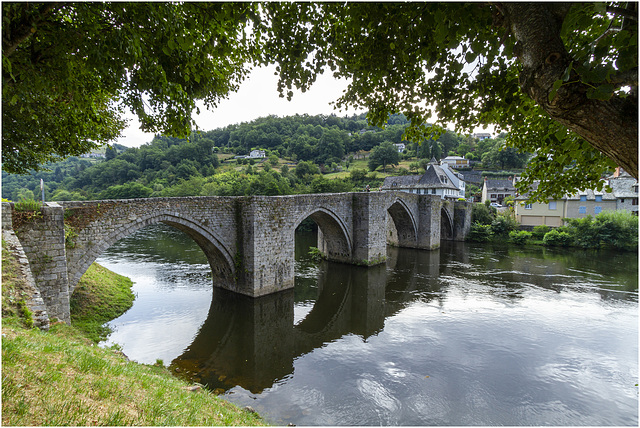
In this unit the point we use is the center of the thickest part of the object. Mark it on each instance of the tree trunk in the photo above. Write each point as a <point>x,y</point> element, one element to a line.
<point>610,126</point>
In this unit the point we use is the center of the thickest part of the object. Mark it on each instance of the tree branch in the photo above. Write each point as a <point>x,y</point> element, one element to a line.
<point>626,78</point>
<point>627,13</point>
<point>610,126</point>
<point>25,28</point>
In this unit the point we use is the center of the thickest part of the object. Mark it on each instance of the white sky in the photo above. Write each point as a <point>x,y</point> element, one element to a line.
<point>258,97</point>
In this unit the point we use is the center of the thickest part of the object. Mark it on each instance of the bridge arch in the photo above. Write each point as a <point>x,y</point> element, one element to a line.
<point>406,227</point>
<point>334,239</point>
<point>220,260</point>
<point>446,225</point>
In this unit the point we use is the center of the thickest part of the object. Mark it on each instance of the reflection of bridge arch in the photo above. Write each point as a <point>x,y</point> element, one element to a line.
<point>329,305</point>
<point>218,256</point>
<point>334,239</point>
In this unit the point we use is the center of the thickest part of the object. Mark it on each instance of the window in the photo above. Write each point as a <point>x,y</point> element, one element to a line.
<point>583,198</point>
<point>598,198</point>
<point>553,205</point>
<point>433,191</point>
<point>597,210</point>
<point>493,196</point>
<point>582,210</point>
<point>635,201</point>
<point>528,206</point>
<point>622,201</point>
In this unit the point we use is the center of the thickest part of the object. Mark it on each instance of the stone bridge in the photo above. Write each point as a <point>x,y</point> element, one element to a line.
<point>249,241</point>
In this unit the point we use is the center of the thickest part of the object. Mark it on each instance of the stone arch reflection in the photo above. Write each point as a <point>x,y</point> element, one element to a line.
<point>253,342</point>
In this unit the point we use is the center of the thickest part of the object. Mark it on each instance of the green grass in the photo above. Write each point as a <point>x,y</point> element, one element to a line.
<point>60,377</point>
<point>55,379</point>
<point>99,297</point>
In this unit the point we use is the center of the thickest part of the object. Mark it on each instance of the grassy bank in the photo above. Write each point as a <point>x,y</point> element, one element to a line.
<point>99,297</point>
<point>61,378</point>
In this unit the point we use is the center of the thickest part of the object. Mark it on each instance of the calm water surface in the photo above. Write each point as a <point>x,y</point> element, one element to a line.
<point>464,335</point>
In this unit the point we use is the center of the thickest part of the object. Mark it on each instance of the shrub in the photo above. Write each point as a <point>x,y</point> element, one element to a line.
<point>316,254</point>
<point>556,238</point>
<point>539,231</point>
<point>27,205</point>
<point>481,213</point>
<point>519,237</point>
<point>503,224</point>
<point>584,233</point>
<point>480,232</point>
<point>617,229</point>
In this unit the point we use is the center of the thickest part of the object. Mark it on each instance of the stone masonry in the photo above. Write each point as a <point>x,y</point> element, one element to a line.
<point>247,240</point>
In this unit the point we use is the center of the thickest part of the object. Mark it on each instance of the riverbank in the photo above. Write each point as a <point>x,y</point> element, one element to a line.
<point>61,377</point>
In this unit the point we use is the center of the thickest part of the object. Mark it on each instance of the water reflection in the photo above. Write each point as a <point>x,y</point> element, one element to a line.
<point>253,343</point>
<point>464,335</point>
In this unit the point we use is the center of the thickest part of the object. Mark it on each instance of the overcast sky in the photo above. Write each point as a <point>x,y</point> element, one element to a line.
<point>258,97</point>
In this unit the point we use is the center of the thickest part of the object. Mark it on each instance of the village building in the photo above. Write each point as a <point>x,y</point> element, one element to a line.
<point>257,154</point>
<point>482,135</point>
<point>625,189</point>
<point>400,147</point>
<point>455,162</point>
<point>623,196</point>
<point>435,181</point>
<point>496,190</point>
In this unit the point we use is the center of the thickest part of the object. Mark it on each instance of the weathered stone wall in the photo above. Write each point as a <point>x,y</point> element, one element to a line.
<point>461,220</point>
<point>269,225</point>
<point>33,299</point>
<point>210,221</point>
<point>43,241</point>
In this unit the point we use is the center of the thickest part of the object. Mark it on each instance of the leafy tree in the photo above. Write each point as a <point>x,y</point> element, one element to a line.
<point>482,214</point>
<point>110,153</point>
<point>127,191</point>
<point>383,155</point>
<point>69,69</point>
<point>304,169</point>
<point>561,78</point>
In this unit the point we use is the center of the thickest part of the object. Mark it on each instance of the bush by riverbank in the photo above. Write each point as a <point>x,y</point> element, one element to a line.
<point>61,378</point>
<point>609,229</point>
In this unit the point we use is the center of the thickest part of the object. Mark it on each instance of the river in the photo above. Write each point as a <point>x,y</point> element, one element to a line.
<point>465,335</point>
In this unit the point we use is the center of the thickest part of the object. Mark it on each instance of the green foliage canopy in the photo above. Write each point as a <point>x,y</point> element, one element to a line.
<point>561,78</point>
<point>383,155</point>
<point>70,69</point>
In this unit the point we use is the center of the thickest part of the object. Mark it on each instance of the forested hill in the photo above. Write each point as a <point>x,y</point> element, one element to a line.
<point>298,149</point>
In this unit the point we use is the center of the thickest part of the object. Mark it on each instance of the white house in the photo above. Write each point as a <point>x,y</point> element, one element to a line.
<point>435,181</point>
<point>400,147</point>
<point>456,178</point>
<point>482,135</point>
<point>257,154</point>
<point>455,162</point>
